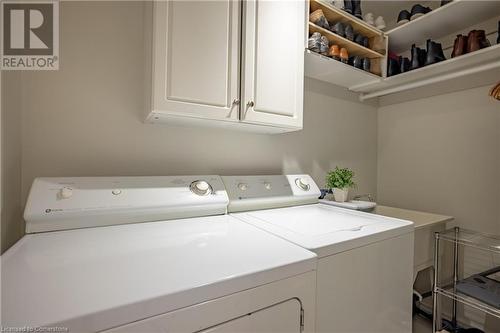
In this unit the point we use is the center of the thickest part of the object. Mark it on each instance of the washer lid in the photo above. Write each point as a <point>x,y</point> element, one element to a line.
<point>97,278</point>
<point>325,229</point>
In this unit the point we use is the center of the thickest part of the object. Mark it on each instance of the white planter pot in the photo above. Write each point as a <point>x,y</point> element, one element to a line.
<point>340,194</point>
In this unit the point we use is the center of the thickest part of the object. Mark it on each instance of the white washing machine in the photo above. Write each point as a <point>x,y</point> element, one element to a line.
<point>365,261</point>
<point>86,263</point>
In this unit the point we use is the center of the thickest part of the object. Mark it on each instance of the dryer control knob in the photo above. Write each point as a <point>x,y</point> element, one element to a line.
<point>200,187</point>
<point>303,183</point>
<point>268,186</point>
<point>243,186</point>
<point>66,192</point>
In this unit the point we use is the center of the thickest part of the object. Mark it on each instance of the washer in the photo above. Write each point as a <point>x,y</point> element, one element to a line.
<point>88,265</point>
<point>365,261</point>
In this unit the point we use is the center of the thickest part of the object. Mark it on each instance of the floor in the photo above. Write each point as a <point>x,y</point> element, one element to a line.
<point>421,325</point>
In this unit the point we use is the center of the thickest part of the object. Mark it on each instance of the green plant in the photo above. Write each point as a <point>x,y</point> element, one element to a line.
<point>340,178</point>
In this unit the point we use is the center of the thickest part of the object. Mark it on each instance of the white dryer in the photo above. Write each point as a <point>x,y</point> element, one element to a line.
<point>365,261</point>
<point>86,263</point>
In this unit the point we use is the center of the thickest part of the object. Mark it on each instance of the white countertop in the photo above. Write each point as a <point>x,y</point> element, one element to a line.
<point>419,219</point>
<point>96,278</point>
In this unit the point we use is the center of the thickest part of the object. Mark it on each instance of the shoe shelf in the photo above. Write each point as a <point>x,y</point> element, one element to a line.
<point>487,59</point>
<point>334,14</point>
<point>443,21</point>
<point>333,71</point>
<point>354,49</point>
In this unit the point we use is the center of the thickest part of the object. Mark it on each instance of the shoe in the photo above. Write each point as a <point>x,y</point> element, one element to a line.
<point>338,28</point>
<point>348,6</point>
<point>314,41</point>
<point>356,8</point>
<point>324,45</point>
<point>344,55</point>
<point>369,18</point>
<point>358,39</point>
<point>334,52</point>
<point>445,2</point>
<point>338,4</point>
<point>393,67</point>
<point>416,58</point>
<point>357,62</point>
<point>477,40</point>
<point>419,10</point>
<point>403,17</point>
<point>349,32</point>
<point>366,64</point>
<point>380,23</point>
<point>434,53</point>
<point>459,46</point>
<point>404,64</point>
<point>318,17</point>
<point>366,42</point>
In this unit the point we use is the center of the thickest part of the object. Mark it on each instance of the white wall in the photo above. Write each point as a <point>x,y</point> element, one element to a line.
<point>442,154</point>
<point>86,118</point>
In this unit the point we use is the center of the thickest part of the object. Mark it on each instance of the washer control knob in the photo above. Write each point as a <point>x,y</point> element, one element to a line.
<point>116,192</point>
<point>303,183</point>
<point>243,186</point>
<point>268,186</point>
<point>66,192</point>
<point>200,187</point>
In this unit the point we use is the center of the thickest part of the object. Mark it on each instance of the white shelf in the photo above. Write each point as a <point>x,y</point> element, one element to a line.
<point>441,22</point>
<point>487,59</point>
<point>330,70</point>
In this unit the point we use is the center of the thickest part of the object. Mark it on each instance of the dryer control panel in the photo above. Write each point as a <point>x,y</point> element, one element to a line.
<point>79,202</point>
<point>273,191</point>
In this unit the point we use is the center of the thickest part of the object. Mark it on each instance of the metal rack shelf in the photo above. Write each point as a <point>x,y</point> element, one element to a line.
<point>467,238</point>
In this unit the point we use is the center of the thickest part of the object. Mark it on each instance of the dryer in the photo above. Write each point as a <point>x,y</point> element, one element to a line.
<point>150,254</point>
<point>365,261</point>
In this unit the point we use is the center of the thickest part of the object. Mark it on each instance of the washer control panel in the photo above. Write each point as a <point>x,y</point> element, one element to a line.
<point>78,202</point>
<point>260,192</point>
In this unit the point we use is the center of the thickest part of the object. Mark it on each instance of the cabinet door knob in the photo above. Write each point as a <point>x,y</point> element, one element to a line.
<point>236,101</point>
<point>250,104</point>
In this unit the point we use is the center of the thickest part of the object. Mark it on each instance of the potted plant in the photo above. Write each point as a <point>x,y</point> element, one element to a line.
<point>340,180</point>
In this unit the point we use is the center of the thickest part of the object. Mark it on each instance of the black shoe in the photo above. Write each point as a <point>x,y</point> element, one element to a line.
<point>366,42</point>
<point>445,2</point>
<point>356,8</point>
<point>359,39</point>
<point>338,28</point>
<point>403,17</point>
<point>434,53</point>
<point>404,64</point>
<point>349,32</point>
<point>357,62</point>
<point>393,67</point>
<point>416,57</point>
<point>348,6</point>
<point>418,10</point>
<point>366,64</point>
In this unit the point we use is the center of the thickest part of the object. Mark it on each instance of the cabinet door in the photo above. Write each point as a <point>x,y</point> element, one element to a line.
<point>196,58</point>
<point>273,83</point>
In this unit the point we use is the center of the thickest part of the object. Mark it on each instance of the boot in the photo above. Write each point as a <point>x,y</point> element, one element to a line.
<point>393,67</point>
<point>338,28</point>
<point>460,46</point>
<point>434,53</point>
<point>349,32</point>
<point>366,64</point>
<point>334,52</point>
<point>324,45</point>
<point>483,41</point>
<point>314,42</point>
<point>348,6</point>
<point>318,17</point>
<point>472,42</point>
<point>404,64</point>
<point>356,8</point>
<point>344,55</point>
<point>415,58</point>
<point>358,62</point>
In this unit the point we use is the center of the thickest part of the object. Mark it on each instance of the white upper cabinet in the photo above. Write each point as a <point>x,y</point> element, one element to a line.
<point>273,62</point>
<point>236,64</point>
<point>196,55</point>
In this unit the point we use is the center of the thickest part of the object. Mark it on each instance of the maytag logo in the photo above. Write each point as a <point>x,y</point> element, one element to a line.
<point>30,35</point>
